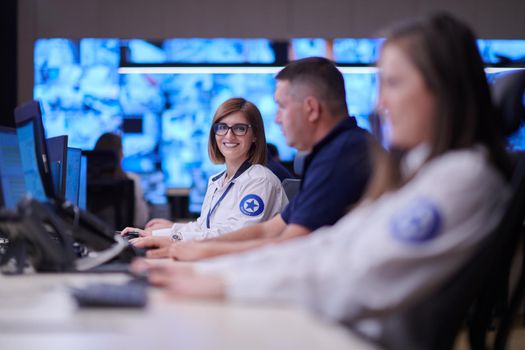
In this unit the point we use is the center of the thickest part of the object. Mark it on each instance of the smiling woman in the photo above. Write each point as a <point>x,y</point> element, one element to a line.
<point>245,193</point>
<point>237,135</point>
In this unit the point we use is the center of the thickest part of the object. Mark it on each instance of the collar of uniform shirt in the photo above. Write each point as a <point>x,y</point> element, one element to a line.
<point>414,159</point>
<point>222,176</point>
<point>345,124</point>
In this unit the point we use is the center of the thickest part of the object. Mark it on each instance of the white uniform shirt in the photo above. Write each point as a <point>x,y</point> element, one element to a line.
<point>384,254</point>
<point>254,196</point>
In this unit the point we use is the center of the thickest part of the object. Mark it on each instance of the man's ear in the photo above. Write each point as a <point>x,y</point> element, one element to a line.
<point>312,108</point>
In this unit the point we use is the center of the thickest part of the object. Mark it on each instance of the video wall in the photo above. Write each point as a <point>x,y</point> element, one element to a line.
<point>161,96</point>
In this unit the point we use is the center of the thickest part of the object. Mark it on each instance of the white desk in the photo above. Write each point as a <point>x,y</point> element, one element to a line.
<point>37,312</point>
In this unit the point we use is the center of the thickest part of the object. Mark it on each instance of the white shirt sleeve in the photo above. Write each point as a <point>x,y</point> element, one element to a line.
<point>168,231</point>
<point>361,266</point>
<point>230,216</point>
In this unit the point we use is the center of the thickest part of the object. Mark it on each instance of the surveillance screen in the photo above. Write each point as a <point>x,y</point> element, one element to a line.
<point>164,116</point>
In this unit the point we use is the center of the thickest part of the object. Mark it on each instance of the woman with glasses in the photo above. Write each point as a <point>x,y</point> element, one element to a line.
<point>245,193</point>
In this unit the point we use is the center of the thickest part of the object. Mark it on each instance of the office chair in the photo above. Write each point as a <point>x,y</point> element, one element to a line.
<point>292,186</point>
<point>100,164</point>
<point>512,102</point>
<point>433,323</point>
<point>111,200</point>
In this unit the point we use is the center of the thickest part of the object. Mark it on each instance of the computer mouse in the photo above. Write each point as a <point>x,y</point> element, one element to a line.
<point>131,235</point>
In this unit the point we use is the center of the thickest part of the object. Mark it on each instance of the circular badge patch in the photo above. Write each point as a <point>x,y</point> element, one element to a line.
<point>418,222</point>
<point>252,205</point>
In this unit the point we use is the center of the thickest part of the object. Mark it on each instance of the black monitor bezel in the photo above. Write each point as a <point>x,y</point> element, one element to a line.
<point>59,154</point>
<point>31,112</point>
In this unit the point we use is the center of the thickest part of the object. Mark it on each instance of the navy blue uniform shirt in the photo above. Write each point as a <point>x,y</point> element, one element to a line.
<point>334,177</point>
<point>278,169</point>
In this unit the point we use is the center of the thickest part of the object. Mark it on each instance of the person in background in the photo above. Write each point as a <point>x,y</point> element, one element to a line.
<point>274,163</point>
<point>273,152</point>
<point>434,197</point>
<point>312,111</point>
<point>246,193</point>
<point>113,142</point>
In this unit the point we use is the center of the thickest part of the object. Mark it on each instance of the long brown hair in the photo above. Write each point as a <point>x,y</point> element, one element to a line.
<point>112,142</point>
<point>445,53</point>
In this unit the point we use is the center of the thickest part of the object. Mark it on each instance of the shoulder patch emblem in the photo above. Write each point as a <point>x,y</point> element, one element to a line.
<point>251,205</point>
<point>418,222</point>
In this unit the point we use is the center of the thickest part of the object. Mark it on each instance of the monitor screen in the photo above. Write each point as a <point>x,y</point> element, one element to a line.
<point>82,191</point>
<point>58,158</point>
<point>33,151</point>
<point>74,159</point>
<point>12,184</point>
<point>160,96</point>
<point>33,181</point>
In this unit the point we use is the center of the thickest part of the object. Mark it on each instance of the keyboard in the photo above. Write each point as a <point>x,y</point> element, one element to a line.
<point>110,267</point>
<point>131,294</point>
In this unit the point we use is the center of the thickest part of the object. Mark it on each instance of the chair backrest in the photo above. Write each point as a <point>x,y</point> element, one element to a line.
<point>100,164</point>
<point>112,201</point>
<point>298,162</point>
<point>508,95</point>
<point>291,187</point>
<point>434,322</point>
<point>508,92</point>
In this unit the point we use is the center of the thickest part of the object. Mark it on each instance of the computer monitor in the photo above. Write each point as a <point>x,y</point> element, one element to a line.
<point>58,163</point>
<point>82,192</point>
<point>12,184</point>
<point>74,157</point>
<point>33,151</point>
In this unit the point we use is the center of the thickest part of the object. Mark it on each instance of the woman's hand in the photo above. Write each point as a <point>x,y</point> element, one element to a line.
<point>165,247</point>
<point>188,250</point>
<point>134,230</point>
<point>184,281</point>
<point>157,223</point>
<point>157,246</point>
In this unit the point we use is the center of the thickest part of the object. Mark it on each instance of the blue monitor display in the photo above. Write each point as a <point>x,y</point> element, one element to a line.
<point>12,184</point>
<point>502,52</point>
<point>200,50</point>
<point>73,169</point>
<point>33,151</point>
<point>26,142</point>
<point>361,95</point>
<point>160,96</point>
<point>82,191</point>
<point>308,47</point>
<point>356,51</point>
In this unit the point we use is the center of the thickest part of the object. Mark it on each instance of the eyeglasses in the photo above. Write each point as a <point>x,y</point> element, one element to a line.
<point>221,129</point>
